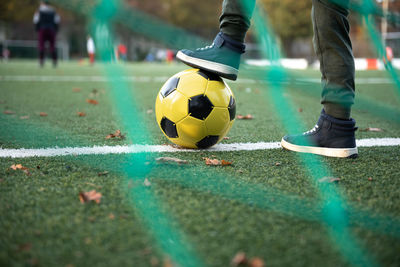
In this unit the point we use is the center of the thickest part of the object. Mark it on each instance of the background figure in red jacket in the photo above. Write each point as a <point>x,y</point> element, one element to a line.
<point>46,22</point>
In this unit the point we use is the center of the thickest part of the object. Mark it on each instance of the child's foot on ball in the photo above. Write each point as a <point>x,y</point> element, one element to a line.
<point>330,137</point>
<point>222,57</point>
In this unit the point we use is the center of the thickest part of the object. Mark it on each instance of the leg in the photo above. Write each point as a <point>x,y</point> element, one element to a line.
<point>41,44</point>
<point>333,135</point>
<point>235,18</point>
<point>53,49</point>
<point>333,47</point>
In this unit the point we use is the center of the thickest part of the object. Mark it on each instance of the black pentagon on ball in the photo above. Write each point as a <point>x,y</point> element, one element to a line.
<point>169,128</point>
<point>169,86</point>
<point>232,108</point>
<point>200,107</point>
<point>207,141</point>
<point>209,75</point>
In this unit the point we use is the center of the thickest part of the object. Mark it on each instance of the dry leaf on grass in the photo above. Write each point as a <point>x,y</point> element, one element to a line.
<point>24,117</point>
<point>92,101</point>
<point>111,216</point>
<point>76,90</point>
<point>117,134</point>
<point>371,129</point>
<point>168,263</point>
<point>102,173</point>
<point>245,117</point>
<point>149,111</point>
<point>217,162</point>
<point>81,114</point>
<point>20,167</point>
<point>170,159</point>
<point>8,112</point>
<point>239,259</point>
<point>256,262</point>
<point>226,138</point>
<point>42,114</point>
<point>329,180</point>
<point>92,195</point>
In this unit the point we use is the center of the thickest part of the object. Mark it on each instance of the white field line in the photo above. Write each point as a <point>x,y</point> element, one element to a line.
<point>160,79</point>
<point>101,150</point>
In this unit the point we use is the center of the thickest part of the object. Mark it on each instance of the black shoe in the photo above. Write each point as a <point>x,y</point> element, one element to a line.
<point>330,137</point>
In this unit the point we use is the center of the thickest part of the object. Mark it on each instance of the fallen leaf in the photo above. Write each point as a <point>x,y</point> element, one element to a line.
<point>329,180</point>
<point>370,179</point>
<point>170,159</point>
<point>149,111</point>
<point>111,216</point>
<point>217,162</point>
<point>76,90</point>
<point>168,263</point>
<point>117,134</point>
<point>92,195</point>
<point>239,259</point>
<point>18,167</point>
<point>300,110</point>
<point>43,114</point>
<point>146,182</point>
<point>256,262</point>
<point>8,112</point>
<point>81,114</point>
<point>24,117</point>
<point>371,129</point>
<point>102,173</point>
<point>278,164</point>
<point>226,138</point>
<point>225,163</point>
<point>213,162</point>
<point>245,117</point>
<point>92,101</point>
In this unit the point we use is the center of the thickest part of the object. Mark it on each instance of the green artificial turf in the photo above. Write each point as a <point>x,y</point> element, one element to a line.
<point>265,204</point>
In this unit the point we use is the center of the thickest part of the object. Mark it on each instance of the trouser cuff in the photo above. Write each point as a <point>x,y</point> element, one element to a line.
<point>337,110</point>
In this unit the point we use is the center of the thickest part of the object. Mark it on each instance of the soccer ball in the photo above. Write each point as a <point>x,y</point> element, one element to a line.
<point>195,109</point>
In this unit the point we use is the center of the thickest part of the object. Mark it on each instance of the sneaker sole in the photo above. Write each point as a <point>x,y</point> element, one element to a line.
<point>323,151</point>
<point>222,70</point>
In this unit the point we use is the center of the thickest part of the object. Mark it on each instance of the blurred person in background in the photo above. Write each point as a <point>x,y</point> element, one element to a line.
<point>90,49</point>
<point>46,22</point>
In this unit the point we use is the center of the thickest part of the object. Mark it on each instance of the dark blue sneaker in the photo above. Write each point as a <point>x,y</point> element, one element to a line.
<point>222,57</point>
<point>330,137</point>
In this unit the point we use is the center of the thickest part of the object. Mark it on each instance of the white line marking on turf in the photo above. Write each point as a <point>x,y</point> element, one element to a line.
<point>161,79</point>
<point>98,150</point>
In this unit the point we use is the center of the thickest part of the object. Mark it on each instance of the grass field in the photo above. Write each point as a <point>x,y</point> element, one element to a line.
<point>264,205</point>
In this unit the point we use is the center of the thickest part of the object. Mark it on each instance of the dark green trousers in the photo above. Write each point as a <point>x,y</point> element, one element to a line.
<point>331,43</point>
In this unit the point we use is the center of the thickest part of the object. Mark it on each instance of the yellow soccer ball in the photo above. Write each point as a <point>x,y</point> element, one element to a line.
<point>195,109</point>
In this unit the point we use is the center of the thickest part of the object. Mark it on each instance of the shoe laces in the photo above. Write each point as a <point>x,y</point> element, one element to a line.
<point>206,47</point>
<point>312,130</point>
